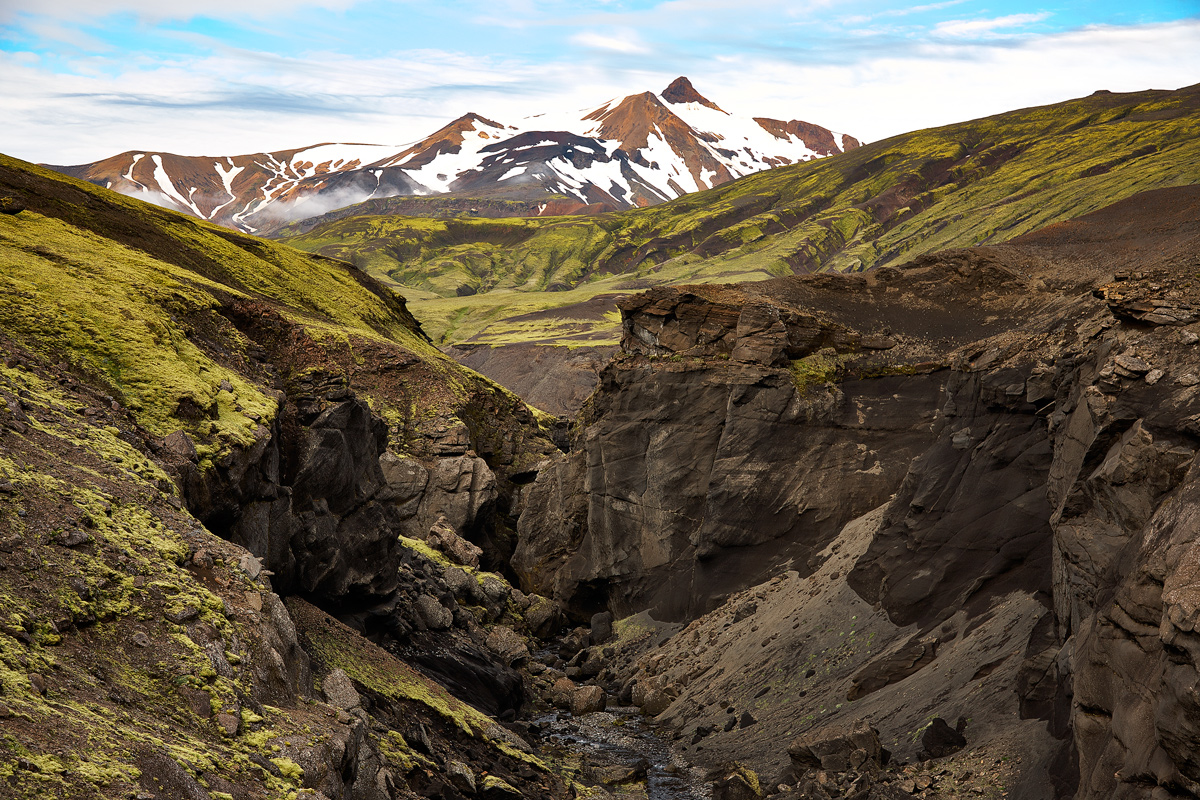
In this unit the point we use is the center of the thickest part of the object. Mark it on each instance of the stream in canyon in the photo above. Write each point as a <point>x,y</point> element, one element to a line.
<point>618,739</point>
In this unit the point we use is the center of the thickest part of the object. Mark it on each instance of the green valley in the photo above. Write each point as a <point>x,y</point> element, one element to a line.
<point>985,181</point>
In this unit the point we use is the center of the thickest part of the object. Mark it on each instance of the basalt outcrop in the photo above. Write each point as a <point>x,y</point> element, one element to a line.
<point>964,488</point>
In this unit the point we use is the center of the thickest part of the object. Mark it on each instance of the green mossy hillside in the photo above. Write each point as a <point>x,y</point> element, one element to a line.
<point>977,182</point>
<point>172,317</point>
<point>116,604</point>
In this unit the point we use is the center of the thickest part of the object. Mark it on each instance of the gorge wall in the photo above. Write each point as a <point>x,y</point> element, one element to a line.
<point>1014,426</point>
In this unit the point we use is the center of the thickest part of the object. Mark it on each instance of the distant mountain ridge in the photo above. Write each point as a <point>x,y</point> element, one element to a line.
<point>640,150</point>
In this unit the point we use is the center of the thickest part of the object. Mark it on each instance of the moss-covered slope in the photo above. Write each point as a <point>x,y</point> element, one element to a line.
<point>155,307</point>
<point>140,653</point>
<point>983,181</point>
<point>141,656</point>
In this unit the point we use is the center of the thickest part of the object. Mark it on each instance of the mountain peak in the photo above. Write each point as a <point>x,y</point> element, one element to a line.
<point>682,91</point>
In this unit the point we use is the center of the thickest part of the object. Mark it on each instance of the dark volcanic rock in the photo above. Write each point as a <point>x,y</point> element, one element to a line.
<point>940,740</point>
<point>1020,492</point>
<point>469,671</point>
<point>836,749</point>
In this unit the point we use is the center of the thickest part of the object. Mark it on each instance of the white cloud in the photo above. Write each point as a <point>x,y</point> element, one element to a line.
<point>938,84</point>
<point>625,42</point>
<point>967,28</point>
<point>77,10</point>
<point>233,102</point>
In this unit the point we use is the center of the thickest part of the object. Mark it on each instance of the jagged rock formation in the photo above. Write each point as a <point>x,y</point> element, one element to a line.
<point>960,488</point>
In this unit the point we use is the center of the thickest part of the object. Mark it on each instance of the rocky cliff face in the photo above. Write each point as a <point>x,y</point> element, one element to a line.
<point>961,488</point>
<point>245,528</point>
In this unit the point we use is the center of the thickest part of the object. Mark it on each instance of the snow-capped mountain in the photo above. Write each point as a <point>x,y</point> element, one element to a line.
<point>640,150</point>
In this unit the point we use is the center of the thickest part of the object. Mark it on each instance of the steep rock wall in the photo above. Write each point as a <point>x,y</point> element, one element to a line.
<point>1036,406</point>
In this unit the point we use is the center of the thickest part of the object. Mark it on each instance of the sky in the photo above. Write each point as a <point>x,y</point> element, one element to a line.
<point>87,79</point>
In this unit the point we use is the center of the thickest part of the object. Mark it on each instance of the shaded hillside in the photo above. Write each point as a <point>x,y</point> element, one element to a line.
<point>983,181</point>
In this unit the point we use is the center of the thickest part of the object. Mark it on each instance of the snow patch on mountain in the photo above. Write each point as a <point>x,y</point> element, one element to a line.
<point>696,146</point>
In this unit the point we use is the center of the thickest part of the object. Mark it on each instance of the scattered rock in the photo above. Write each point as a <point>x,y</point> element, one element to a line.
<point>507,643</point>
<point>735,782</point>
<point>745,611</point>
<point>656,701</point>
<point>444,538</point>
<point>182,614</point>
<point>1154,376</point>
<point>587,699</point>
<point>417,736</point>
<point>140,639</point>
<point>1132,365</point>
<point>747,719</point>
<point>831,748</point>
<point>251,566</point>
<point>461,776</point>
<point>37,683</point>
<point>435,616</point>
<point>229,723</point>
<point>573,642</point>
<point>198,700</point>
<point>339,690</point>
<point>495,787</point>
<point>495,588</point>
<point>617,774</point>
<point>940,740</point>
<point>562,691</point>
<point>543,616</point>
<point>73,537</point>
<point>181,445</point>
<point>601,627</point>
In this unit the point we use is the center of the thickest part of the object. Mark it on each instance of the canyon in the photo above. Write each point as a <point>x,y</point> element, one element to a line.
<point>926,529</point>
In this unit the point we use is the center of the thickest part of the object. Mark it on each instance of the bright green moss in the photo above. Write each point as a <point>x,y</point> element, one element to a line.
<point>815,370</point>
<point>290,770</point>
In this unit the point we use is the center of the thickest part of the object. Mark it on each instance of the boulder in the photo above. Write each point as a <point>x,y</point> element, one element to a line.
<point>435,615</point>
<point>442,537</point>
<point>655,702</point>
<point>180,445</point>
<point>836,749</point>
<point>561,692</point>
<point>339,690</point>
<point>940,740</point>
<point>543,616</point>
<point>617,774</point>
<point>586,699</point>
<point>461,776</point>
<point>507,643</point>
<point>601,627</point>
<point>735,782</point>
